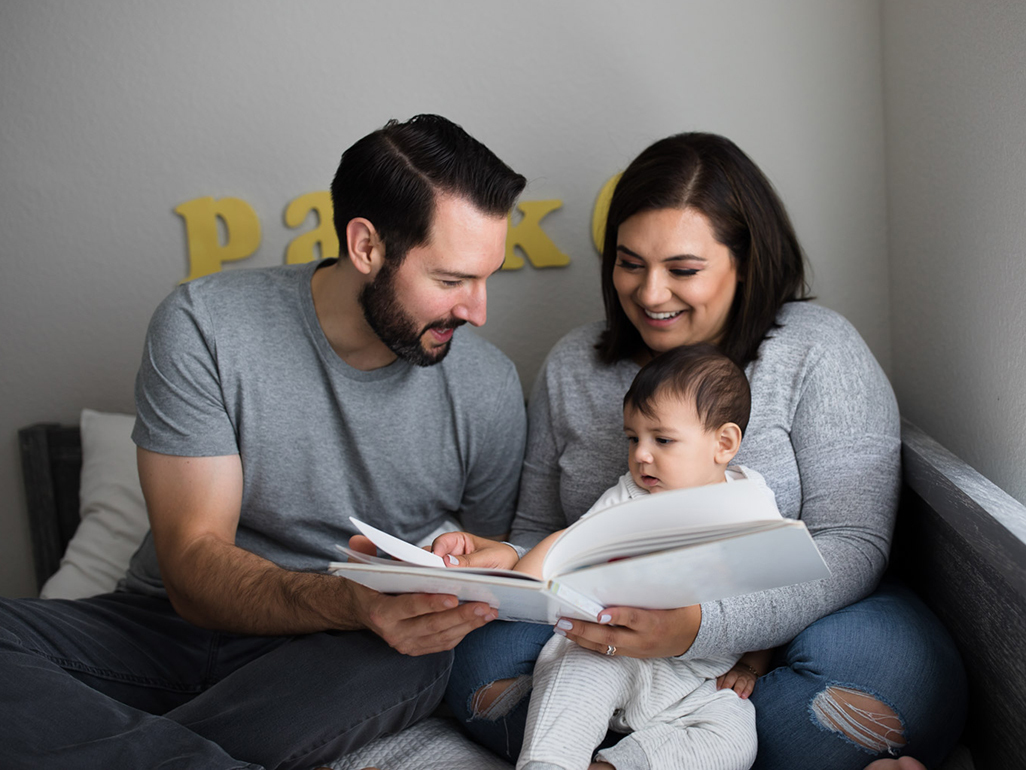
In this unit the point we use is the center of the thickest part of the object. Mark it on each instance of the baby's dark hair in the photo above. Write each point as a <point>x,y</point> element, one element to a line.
<point>699,373</point>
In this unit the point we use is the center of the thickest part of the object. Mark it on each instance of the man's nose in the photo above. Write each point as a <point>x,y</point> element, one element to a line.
<point>474,306</point>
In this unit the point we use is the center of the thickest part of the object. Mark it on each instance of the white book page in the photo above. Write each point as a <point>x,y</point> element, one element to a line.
<point>397,548</point>
<point>730,506</point>
<point>662,541</point>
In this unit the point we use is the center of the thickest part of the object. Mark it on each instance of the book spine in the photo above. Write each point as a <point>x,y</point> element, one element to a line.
<point>575,599</point>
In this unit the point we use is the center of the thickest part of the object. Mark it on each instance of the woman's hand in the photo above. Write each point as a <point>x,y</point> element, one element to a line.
<point>636,633</point>
<point>462,549</point>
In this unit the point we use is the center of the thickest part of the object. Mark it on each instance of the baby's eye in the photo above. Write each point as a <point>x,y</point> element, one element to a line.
<point>664,440</point>
<point>632,439</point>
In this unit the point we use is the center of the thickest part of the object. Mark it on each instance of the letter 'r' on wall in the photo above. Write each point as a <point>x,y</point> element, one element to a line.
<point>528,236</point>
<point>301,248</point>
<point>206,251</point>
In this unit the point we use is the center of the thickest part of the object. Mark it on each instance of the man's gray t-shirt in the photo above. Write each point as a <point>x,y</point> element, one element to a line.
<point>237,363</point>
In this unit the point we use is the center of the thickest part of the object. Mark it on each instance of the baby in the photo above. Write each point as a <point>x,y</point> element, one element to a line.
<point>684,416</point>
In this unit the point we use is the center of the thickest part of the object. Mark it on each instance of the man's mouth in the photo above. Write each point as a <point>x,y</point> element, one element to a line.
<point>442,331</point>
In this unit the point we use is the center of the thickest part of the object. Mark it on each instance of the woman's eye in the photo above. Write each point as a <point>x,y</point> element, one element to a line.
<point>624,265</point>
<point>683,272</point>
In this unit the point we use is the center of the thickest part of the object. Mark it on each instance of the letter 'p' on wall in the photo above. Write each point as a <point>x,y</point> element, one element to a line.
<point>206,252</point>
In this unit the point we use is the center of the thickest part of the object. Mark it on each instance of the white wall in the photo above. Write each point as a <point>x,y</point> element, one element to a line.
<point>955,85</point>
<point>116,112</point>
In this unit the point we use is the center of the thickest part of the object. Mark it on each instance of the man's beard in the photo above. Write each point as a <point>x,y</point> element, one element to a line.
<point>393,325</point>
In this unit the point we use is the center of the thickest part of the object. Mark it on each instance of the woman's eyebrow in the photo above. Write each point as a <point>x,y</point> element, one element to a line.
<point>674,258</point>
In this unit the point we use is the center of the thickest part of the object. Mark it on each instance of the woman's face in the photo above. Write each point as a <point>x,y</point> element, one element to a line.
<point>675,281</point>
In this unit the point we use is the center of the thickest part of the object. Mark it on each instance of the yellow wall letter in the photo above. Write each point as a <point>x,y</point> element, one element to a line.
<point>601,211</point>
<point>206,252</point>
<point>301,248</point>
<point>532,240</point>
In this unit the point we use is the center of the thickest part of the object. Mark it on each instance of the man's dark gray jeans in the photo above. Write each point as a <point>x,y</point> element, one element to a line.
<point>120,680</point>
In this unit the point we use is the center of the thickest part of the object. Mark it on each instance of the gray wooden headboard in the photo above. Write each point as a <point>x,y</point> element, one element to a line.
<point>960,543</point>
<point>51,462</point>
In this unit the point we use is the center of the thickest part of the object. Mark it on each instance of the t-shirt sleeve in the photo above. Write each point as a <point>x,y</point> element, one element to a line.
<point>180,407</point>
<point>846,436</point>
<point>490,494</point>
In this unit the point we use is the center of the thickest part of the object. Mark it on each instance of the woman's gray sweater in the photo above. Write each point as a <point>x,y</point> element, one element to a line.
<point>824,432</point>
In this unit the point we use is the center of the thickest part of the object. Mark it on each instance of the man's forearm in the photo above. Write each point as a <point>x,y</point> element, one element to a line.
<point>220,586</point>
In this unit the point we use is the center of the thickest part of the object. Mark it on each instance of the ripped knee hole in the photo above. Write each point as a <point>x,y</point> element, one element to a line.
<point>860,718</point>
<point>497,699</point>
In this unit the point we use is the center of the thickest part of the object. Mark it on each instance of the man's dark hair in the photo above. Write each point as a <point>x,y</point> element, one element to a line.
<point>392,176</point>
<point>710,174</point>
<point>700,373</point>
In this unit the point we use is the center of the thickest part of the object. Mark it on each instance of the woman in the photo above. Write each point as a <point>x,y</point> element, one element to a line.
<point>698,248</point>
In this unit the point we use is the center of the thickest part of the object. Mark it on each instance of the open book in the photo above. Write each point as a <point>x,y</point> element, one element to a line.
<point>666,550</point>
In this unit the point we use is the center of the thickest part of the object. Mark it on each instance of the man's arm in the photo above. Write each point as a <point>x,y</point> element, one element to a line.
<point>194,505</point>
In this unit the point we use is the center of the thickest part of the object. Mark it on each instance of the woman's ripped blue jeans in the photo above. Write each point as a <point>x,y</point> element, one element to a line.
<point>878,678</point>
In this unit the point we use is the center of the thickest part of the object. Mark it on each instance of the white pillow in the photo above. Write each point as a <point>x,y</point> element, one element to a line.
<point>112,509</point>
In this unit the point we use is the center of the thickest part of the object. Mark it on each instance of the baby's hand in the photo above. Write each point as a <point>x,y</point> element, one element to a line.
<point>462,549</point>
<point>740,679</point>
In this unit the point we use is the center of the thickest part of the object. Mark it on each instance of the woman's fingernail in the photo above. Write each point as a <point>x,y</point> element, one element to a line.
<point>453,559</point>
<point>565,625</point>
<point>604,618</point>
<point>559,631</point>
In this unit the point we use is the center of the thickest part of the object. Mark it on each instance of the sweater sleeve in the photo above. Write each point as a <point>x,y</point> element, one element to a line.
<point>845,435</point>
<point>539,512</point>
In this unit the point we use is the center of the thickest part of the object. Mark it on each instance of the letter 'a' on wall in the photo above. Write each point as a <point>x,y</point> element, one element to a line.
<point>206,252</point>
<point>601,212</point>
<point>301,248</point>
<point>528,236</point>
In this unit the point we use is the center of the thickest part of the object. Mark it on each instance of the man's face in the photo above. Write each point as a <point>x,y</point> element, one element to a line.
<point>415,308</point>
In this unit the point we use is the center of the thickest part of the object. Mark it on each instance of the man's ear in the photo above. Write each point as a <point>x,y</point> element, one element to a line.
<point>364,246</point>
<point>728,441</point>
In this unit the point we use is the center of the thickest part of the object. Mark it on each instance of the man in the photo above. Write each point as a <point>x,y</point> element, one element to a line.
<point>272,405</point>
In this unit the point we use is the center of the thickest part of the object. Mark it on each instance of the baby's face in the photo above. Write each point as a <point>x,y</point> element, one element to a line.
<point>671,449</point>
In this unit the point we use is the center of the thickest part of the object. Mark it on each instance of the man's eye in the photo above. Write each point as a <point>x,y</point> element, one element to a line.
<point>452,284</point>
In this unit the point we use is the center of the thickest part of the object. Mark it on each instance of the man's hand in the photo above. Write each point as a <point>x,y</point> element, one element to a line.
<point>637,633</point>
<point>462,549</point>
<point>415,624</point>
<point>418,624</point>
